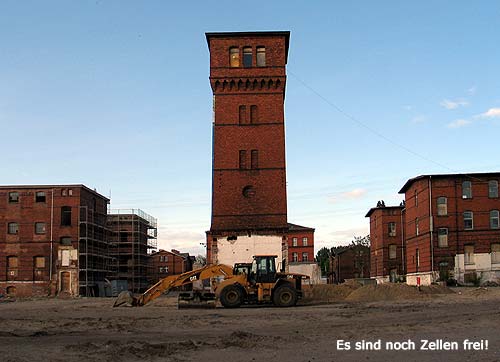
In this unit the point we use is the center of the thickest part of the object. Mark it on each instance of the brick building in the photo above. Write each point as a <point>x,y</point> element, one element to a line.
<point>387,255</point>
<point>351,262</point>
<point>249,205</point>
<point>53,240</point>
<point>164,263</point>
<point>133,238</point>
<point>452,227</point>
<point>300,242</point>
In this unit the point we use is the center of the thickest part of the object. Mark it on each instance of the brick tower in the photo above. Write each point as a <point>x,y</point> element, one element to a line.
<point>249,209</point>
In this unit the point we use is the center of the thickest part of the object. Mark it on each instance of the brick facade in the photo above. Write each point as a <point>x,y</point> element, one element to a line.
<point>48,236</point>
<point>352,262</point>
<point>164,263</point>
<point>437,240</point>
<point>300,242</point>
<point>387,242</point>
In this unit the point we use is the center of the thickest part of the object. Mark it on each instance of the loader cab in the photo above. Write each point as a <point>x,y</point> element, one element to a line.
<point>263,269</point>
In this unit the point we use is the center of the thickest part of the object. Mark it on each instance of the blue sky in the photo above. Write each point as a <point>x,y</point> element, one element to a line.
<point>115,95</point>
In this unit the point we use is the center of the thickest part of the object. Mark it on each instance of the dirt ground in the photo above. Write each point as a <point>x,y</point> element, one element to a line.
<point>89,329</point>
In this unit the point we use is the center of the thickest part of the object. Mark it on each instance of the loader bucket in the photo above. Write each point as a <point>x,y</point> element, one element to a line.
<point>199,300</point>
<point>125,299</point>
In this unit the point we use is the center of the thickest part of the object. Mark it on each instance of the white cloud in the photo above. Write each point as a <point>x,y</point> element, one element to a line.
<point>449,104</point>
<point>472,90</point>
<point>408,108</point>
<point>418,119</point>
<point>490,113</point>
<point>458,123</point>
<point>354,194</point>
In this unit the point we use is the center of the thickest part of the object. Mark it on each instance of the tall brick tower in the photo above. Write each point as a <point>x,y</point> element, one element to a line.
<point>249,209</point>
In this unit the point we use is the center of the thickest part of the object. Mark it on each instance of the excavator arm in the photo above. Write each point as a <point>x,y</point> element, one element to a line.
<point>173,281</point>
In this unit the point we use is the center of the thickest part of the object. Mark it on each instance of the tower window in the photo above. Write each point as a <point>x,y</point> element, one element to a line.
<point>247,57</point>
<point>261,56</point>
<point>242,115</point>
<point>253,114</point>
<point>243,160</point>
<point>255,159</point>
<point>234,57</point>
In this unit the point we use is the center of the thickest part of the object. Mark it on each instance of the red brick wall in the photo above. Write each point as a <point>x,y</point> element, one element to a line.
<point>380,263</point>
<point>27,245</point>
<point>482,236</point>
<point>175,263</point>
<point>263,87</point>
<point>299,249</point>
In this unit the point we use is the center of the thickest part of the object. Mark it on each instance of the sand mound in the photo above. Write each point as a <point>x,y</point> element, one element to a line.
<point>381,292</point>
<point>329,292</point>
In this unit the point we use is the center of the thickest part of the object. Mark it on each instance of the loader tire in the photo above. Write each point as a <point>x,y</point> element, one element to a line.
<point>230,296</point>
<point>285,296</point>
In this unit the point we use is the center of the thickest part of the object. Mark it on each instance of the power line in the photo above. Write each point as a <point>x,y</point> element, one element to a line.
<point>375,132</point>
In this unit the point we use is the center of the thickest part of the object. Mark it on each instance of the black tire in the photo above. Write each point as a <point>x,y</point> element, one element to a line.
<point>285,296</point>
<point>231,296</point>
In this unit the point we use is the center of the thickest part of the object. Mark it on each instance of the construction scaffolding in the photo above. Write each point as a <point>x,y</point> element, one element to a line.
<point>133,239</point>
<point>95,261</point>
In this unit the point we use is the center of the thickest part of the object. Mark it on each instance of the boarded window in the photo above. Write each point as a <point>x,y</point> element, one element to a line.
<point>255,159</point>
<point>261,56</point>
<point>243,160</point>
<point>392,251</point>
<point>495,253</point>
<point>65,240</point>
<point>234,57</point>
<point>40,228</point>
<point>468,220</point>
<point>392,229</point>
<point>442,206</point>
<point>469,254</point>
<point>242,117</point>
<point>247,57</point>
<point>13,228</point>
<point>12,267</point>
<point>66,216</point>
<point>442,237</point>
<point>305,257</point>
<point>253,114</point>
<point>494,218</point>
<point>493,188</point>
<point>14,197</point>
<point>304,241</point>
<point>39,262</point>
<point>40,196</point>
<point>466,190</point>
<point>65,257</point>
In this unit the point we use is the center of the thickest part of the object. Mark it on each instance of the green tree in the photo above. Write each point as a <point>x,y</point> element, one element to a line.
<point>323,259</point>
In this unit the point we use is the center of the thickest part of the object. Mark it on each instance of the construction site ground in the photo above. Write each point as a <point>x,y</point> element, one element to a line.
<point>89,329</point>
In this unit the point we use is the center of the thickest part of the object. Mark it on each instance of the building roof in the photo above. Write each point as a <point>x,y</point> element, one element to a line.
<point>241,34</point>
<point>295,227</point>
<point>51,187</point>
<point>478,175</point>
<point>382,208</point>
<point>161,251</point>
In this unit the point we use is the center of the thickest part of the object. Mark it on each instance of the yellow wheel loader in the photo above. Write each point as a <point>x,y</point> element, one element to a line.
<point>246,283</point>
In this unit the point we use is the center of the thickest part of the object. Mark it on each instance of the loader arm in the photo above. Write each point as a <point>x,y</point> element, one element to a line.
<point>167,283</point>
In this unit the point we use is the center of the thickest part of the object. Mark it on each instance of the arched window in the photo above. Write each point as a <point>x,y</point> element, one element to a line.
<point>261,56</point>
<point>253,114</point>
<point>234,57</point>
<point>247,57</point>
